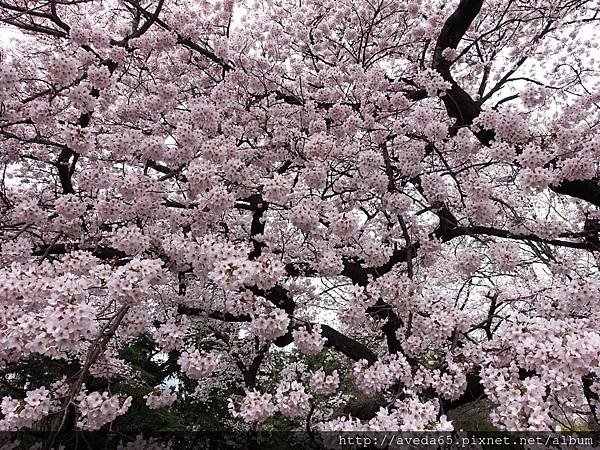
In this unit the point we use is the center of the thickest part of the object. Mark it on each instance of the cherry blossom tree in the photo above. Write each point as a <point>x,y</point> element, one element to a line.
<point>406,189</point>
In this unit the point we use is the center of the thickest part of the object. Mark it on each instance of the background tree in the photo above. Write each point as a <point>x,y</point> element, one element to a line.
<point>407,189</point>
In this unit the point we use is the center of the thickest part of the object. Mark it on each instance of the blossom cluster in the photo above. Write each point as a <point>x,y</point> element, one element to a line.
<point>309,342</point>
<point>96,409</point>
<point>381,375</point>
<point>292,400</point>
<point>254,408</point>
<point>19,414</point>
<point>270,325</point>
<point>321,383</point>
<point>197,364</point>
<point>160,398</point>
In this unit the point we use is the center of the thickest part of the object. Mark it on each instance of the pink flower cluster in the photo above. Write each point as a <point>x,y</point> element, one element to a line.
<point>197,364</point>
<point>309,342</point>
<point>320,383</point>
<point>432,82</point>
<point>96,410</point>
<point>381,375</point>
<point>292,400</point>
<point>19,414</point>
<point>270,325</point>
<point>160,397</point>
<point>254,408</point>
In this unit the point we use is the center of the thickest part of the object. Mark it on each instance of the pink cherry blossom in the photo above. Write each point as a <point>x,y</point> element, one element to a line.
<point>300,206</point>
